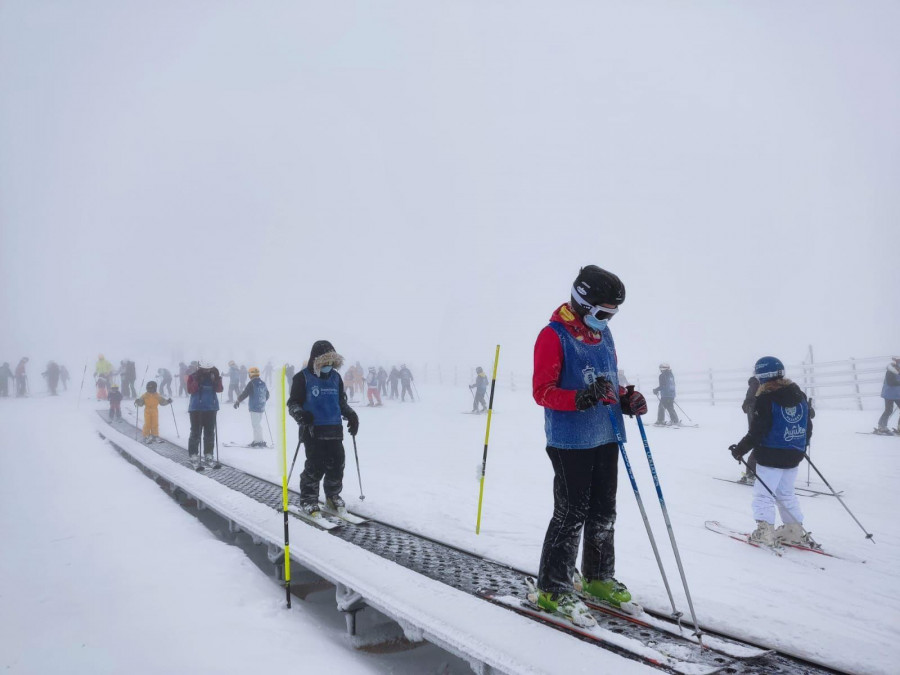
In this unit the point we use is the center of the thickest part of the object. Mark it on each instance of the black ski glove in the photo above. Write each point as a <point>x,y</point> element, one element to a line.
<point>237,405</point>
<point>599,390</point>
<point>352,423</point>
<point>736,451</point>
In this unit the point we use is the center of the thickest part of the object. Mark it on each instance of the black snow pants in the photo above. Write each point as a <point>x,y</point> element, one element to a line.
<point>202,421</point>
<point>406,390</point>
<point>886,415</point>
<point>666,405</point>
<point>166,385</point>
<point>324,457</point>
<point>584,497</point>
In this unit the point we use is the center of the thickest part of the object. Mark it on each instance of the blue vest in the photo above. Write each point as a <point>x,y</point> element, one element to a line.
<point>322,398</point>
<point>204,399</point>
<point>667,384</point>
<point>582,364</point>
<point>788,427</point>
<point>257,398</point>
<point>890,390</point>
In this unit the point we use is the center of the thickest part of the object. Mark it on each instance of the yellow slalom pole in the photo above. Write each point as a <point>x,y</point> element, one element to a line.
<point>284,489</point>
<point>487,435</point>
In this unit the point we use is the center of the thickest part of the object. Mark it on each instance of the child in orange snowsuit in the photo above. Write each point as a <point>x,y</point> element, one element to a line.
<point>151,402</point>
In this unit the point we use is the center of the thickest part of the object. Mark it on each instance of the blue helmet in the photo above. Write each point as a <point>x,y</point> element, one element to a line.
<point>768,368</point>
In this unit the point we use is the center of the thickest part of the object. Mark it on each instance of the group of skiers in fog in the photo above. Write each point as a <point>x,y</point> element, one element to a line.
<point>54,374</point>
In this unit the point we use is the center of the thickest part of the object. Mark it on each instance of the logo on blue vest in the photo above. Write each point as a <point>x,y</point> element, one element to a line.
<point>794,433</point>
<point>588,374</point>
<point>793,414</point>
<point>315,391</point>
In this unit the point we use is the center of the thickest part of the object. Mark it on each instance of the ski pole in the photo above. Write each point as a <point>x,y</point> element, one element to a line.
<point>768,489</point>
<point>174,420</point>
<point>270,428</point>
<point>216,427</point>
<point>142,380</point>
<point>81,391</point>
<point>362,496</point>
<point>296,452</point>
<point>418,397</point>
<point>284,493</point>
<point>487,435</point>
<point>637,496</point>
<point>869,535</point>
<point>665,510</point>
<point>682,411</point>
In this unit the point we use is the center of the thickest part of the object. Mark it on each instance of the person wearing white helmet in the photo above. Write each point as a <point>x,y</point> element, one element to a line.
<point>890,392</point>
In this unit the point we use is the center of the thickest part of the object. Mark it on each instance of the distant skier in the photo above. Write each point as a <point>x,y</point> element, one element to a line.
<point>52,377</point>
<point>21,378</point>
<point>64,377</point>
<point>780,430</point>
<point>243,374</point>
<point>234,381</point>
<point>203,385</point>
<point>115,403</point>
<point>182,378</point>
<point>666,392</point>
<point>165,381</point>
<point>289,371</point>
<point>317,404</point>
<point>406,380</point>
<point>267,371</point>
<point>575,378</point>
<point>128,376</point>
<point>372,390</point>
<point>394,379</point>
<point>151,401</point>
<point>382,381</point>
<point>748,477</point>
<point>890,392</point>
<point>6,375</point>
<point>480,387</point>
<point>258,393</point>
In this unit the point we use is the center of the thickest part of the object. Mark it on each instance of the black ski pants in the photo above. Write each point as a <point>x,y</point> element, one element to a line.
<point>202,422</point>
<point>666,405</point>
<point>888,409</point>
<point>584,498</point>
<point>406,390</point>
<point>324,458</point>
<point>166,385</point>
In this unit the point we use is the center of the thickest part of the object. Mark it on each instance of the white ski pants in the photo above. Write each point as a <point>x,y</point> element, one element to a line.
<point>256,421</point>
<point>781,482</point>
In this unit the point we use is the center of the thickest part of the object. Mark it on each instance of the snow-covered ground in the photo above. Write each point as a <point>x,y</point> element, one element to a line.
<point>419,467</point>
<point>102,572</point>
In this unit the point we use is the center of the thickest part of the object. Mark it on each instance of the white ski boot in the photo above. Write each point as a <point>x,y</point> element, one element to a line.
<point>567,605</point>
<point>793,534</point>
<point>764,534</point>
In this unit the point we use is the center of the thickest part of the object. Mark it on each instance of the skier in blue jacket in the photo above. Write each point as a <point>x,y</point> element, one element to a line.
<point>203,385</point>
<point>258,393</point>
<point>666,393</point>
<point>780,430</point>
<point>318,403</point>
<point>890,392</point>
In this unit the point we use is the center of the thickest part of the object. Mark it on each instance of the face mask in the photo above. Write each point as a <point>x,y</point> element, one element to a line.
<point>594,323</point>
<point>326,369</point>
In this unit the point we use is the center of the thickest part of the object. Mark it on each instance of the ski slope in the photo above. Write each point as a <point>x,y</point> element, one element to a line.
<point>418,464</point>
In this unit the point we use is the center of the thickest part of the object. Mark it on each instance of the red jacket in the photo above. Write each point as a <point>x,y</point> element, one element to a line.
<point>548,356</point>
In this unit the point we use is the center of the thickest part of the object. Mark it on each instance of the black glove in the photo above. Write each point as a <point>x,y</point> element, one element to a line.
<point>169,401</point>
<point>237,405</point>
<point>599,390</point>
<point>736,452</point>
<point>633,402</point>
<point>656,391</point>
<point>353,423</point>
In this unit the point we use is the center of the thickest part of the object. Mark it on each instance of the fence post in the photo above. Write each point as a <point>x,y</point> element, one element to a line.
<point>856,383</point>
<point>712,388</point>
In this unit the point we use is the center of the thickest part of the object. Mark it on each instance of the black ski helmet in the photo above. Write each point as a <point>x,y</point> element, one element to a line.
<point>151,386</point>
<point>595,286</point>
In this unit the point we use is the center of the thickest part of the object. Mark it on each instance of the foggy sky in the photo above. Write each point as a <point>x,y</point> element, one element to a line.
<point>419,181</point>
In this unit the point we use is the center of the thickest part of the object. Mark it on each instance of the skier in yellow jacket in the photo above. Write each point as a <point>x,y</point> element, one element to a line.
<point>151,402</point>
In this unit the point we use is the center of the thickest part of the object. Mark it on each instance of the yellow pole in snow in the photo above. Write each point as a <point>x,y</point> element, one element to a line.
<point>487,435</point>
<point>284,489</point>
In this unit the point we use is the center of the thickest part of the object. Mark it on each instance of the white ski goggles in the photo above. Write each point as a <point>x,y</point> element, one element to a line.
<point>597,311</point>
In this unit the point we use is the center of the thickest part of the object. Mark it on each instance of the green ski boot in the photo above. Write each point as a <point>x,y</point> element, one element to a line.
<point>608,591</point>
<point>567,605</point>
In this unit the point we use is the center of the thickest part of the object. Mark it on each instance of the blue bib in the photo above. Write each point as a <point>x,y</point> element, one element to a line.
<point>322,398</point>
<point>582,364</point>
<point>204,399</point>
<point>788,427</point>
<point>258,391</point>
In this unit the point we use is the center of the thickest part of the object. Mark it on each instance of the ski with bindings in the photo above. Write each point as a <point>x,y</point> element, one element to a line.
<point>316,518</point>
<point>343,514</point>
<point>242,445</point>
<point>636,615</point>
<point>879,433</point>
<point>716,526</point>
<point>624,645</point>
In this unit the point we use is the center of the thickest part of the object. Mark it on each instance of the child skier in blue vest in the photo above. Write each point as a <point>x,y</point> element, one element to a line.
<point>780,429</point>
<point>575,378</point>
<point>258,393</point>
<point>318,403</point>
